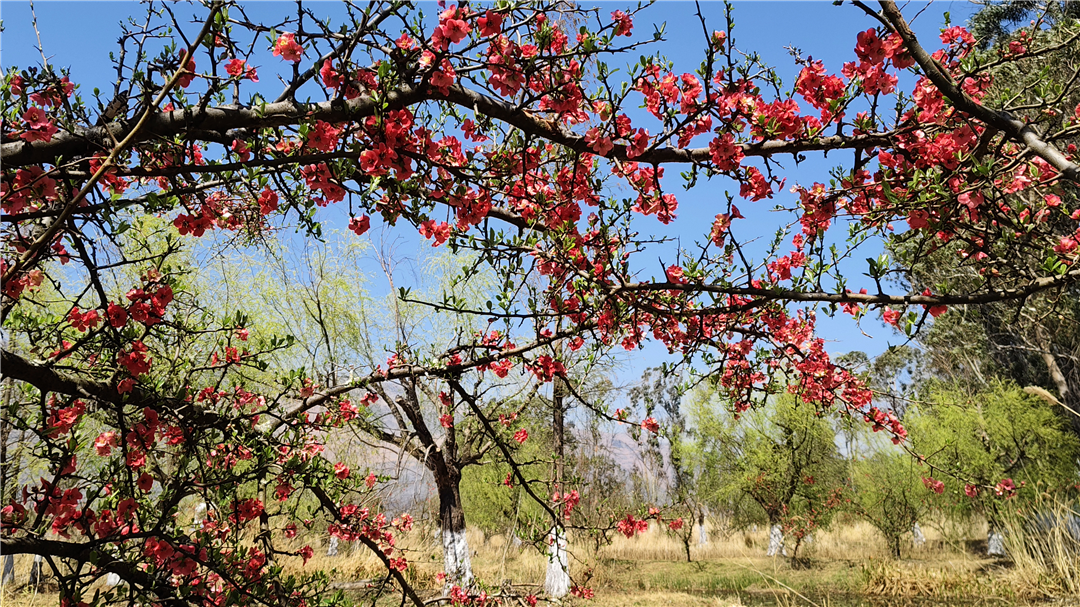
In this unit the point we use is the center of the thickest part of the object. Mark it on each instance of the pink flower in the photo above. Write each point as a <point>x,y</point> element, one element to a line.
<point>341,471</point>
<point>917,219</point>
<point>39,127</point>
<point>17,85</point>
<point>1006,488</point>
<point>241,149</point>
<point>439,232</point>
<point>891,316</point>
<point>521,436</point>
<point>599,143</point>
<point>331,79</point>
<point>104,443</point>
<point>359,225</point>
<point>234,67</point>
<point>675,275</point>
<point>490,24</point>
<point>287,48</point>
<point>582,592</point>
<point>651,425</point>
<point>623,23</point>
<point>268,201</point>
<point>1066,245</point>
<point>239,68</point>
<point>934,485</point>
<point>935,311</point>
<point>35,118</point>
<point>187,75</point>
<point>145,482</point>
<point>323,136</point>
<point>455,30</point>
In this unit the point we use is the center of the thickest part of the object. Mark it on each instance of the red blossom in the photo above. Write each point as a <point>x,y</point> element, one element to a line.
<point>439,232</point>
<point>1006,488</point>
<point>360,225</point>
<point>490,24</point>
<point>38,126</point>
<point>135,359</point>
<point>934,485</point>
<point>287,48</point>
<point>891,316</point>
<point>624,25</point>
<point>330,78</point>
<point>239,68</point>
<point>145,482</point>
<point>341,471</point>
<point>188,74</point>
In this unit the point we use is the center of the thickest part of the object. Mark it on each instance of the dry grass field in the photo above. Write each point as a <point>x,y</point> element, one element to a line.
<point>847,566</point>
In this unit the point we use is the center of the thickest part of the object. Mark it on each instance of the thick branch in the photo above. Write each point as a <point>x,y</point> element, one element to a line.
<point>48,379</point>
<point>168,125</point>
<point>86,554</point>
<point>192,121</point>
<point>1035,286</point>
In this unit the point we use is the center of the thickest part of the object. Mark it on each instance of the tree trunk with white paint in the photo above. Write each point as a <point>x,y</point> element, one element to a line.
<point>456,562</point>
<point>995,543</point>
<point>37,573</point>
<point>557,582</point>
<point>200,516</point>
<point>776,541</point>
<point>917,535</point>
<point>8,576</point>
<point>703,535</point>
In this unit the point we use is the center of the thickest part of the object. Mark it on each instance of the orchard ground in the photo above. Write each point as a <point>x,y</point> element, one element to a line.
<point>846,566</point>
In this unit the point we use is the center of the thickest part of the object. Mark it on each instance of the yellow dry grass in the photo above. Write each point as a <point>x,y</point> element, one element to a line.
<point>649,570</point>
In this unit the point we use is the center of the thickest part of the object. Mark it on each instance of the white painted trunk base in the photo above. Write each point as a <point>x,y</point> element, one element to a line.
<point>917,535</point>
<point>702,534</point>
<point>8,576</point>
<point>37,570</point>
<point>200,516</point>
<point>332,547</point>
<point>557,582</point>
<point>456,562</point>
<point>776,541</point>
<point>995,544</point>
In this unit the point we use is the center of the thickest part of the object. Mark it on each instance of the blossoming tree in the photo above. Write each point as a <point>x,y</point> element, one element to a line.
<point>492,129</point>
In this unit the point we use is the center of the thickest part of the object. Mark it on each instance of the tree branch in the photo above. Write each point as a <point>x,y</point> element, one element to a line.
<point>1015,129</point>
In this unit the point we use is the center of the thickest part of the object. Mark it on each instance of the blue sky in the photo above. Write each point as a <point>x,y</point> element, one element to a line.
<point>81,35</point>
